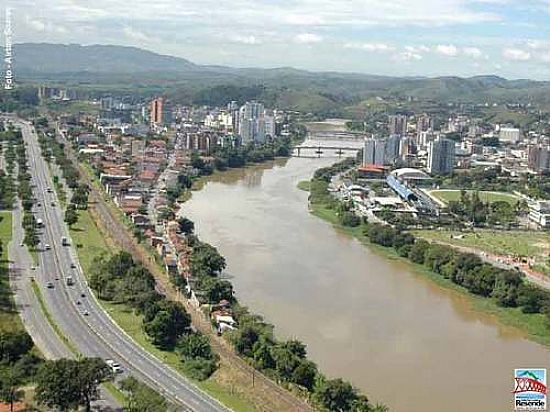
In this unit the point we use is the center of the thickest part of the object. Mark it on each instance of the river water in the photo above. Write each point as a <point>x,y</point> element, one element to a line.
<point>365,317</point>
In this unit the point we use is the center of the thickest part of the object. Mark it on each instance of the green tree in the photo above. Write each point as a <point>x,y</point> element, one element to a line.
<point>532,299</point>
<point>66,384</point>
<point>186,225</point>
<point>285,361</point>
<point>10,381</point>
<point>165,322</point>
<point>336,395</point>
<point>304,374</point>
<point>206,260</point>
<point>141,398</point>
<point>418,251</point>
<point>13,345</point>
<point>194,345</point>
<point>71,217</point>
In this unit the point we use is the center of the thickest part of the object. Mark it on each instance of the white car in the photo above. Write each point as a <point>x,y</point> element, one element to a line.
<point>115,367</point>
<point>47,246</point>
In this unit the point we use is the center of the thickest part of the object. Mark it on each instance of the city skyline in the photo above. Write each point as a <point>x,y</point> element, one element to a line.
<point>421,38</point>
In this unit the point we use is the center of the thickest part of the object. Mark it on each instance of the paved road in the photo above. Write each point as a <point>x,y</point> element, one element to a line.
<point>79,314</point>
<point>108,219</point>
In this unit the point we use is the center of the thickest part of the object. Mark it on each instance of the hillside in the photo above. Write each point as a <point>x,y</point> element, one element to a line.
<point>98,69</point>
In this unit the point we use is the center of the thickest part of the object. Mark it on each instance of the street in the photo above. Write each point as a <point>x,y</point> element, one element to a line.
<point>78,313</point>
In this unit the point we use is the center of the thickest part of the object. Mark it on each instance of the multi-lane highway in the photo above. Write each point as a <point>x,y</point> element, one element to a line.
<point>76,310</point>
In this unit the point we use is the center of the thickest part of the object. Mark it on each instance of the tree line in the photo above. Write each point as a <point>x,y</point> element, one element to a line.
<point>506,287</point>
<point>253,339</point>
<point>121,280</point>
<point>51,148</point>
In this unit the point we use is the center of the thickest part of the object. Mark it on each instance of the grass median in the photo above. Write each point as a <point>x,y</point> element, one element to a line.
<point>9,319</point>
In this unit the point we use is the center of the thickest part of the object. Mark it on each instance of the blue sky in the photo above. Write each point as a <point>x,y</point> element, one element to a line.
<point>510,38</point>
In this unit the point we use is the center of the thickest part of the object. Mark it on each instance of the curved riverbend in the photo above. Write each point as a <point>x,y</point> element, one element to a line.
<point>394,333</point>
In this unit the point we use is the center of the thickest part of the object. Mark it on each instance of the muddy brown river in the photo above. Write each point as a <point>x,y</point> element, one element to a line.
<point>367,318</point>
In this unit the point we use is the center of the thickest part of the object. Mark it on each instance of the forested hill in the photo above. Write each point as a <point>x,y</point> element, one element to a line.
<point>101,67</point>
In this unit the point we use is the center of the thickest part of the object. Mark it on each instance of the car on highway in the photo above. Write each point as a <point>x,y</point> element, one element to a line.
<point>49,285</point>
<point>85,313</point>
<point>47,246</point>
<point>49,189</point>
<point>33,267</point>
<point>52,204</point>
<point>21,244</point>
<point>115,366</point>
<point>73,265</point>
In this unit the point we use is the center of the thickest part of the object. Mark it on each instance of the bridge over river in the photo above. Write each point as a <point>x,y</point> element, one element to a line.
<point>327,148</point>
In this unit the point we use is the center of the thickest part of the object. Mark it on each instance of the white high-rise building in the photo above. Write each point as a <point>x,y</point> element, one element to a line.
<point>509,134</point>
<point>441,156</point>
<point>252,122</point>
<point>269,126</point>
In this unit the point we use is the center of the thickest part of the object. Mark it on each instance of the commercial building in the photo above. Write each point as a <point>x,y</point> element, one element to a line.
<point>509,134</point>
<point>393,144</point>
<point>397,124</point>
<point>539,212</point>
<point>156,112</point>
<point>407,147</point>
<point>374,152</point>
<point>424,123</point>
<point>441,156</point>
<point>539,158</point>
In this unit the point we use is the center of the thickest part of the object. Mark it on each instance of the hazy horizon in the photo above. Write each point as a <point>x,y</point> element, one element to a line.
<point>425,38</point>
<point>350,72</point>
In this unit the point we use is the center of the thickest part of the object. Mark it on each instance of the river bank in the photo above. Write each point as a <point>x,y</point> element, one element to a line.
<point>364,316</point>
<point>534,326</point>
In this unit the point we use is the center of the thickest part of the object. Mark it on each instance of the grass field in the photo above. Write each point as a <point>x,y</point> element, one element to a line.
<point>90,243</point>
<point>88,240</point>
<point>9,319</point>
<point>516,243</point>
<point>501,242</point>
<point>486,197</point>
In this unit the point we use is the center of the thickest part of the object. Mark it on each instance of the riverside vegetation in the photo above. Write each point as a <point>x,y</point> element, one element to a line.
<point>517,301</point>
<point>120,280</point>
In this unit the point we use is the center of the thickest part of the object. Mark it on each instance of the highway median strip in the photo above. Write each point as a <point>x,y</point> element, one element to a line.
<point>51,321</point>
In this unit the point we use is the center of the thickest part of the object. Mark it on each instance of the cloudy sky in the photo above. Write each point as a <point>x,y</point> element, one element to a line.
<point>510,38</point>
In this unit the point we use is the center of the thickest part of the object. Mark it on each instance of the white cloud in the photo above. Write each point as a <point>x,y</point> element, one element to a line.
<point>136,35</point>
<point>417,49</point>
<point>308,38</point>
<point>246,39</point>
<point>36,25</point>
<point>373,47</point>
<point>304,19</point>
<point>446,49</point>
<point>516,54</point>
<point>472,52</point>
<point>409,56</point>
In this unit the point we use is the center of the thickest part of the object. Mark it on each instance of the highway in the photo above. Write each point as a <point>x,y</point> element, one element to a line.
<point>78,313</point>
